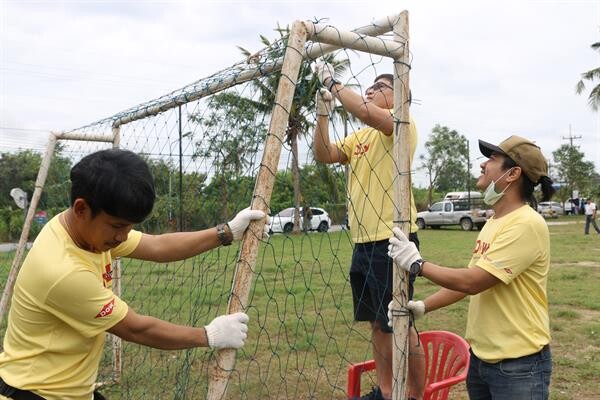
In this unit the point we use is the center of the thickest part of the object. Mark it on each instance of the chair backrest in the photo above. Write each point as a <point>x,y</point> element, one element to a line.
<point>446,362</point>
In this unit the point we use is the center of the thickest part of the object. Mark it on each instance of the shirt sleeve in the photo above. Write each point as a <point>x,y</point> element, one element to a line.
<point>128,246</point>
<point>346,145</point>
<point>509,253</point>
<point>80,300</point>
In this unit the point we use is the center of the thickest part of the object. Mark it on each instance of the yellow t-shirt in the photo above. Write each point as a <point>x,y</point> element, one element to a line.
<point>61,307</point>
<point>371,183</point>
<point>510,319</point>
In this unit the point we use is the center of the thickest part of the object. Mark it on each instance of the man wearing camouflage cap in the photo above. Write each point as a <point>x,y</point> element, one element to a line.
<point>508,323</point>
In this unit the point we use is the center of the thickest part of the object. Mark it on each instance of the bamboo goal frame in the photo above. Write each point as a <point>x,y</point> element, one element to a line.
<point>325,39</point>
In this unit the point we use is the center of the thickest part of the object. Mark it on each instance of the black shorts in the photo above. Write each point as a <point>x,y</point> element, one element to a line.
<point>371,278</point>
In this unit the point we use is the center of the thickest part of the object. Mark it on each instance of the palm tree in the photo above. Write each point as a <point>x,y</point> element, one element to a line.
<point>591,75</point>
<point>300,119</point>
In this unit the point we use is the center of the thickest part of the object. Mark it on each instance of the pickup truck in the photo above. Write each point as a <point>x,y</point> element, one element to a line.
<point>453,213</point>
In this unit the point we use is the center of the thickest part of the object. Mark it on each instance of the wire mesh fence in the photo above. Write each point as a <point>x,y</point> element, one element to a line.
<point>204,145</point>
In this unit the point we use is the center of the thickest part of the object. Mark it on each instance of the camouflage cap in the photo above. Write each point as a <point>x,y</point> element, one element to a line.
<point>523,152</point>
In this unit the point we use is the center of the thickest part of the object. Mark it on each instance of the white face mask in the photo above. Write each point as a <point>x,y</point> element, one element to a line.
<point>490,196</point>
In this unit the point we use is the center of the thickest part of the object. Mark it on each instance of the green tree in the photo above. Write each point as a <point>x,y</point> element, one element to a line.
<point>231,140</point>
<point>20,170</point>
<point>591,76</point>
<point>166,203</point>
<point>445,160</point>
<point>572,170</point>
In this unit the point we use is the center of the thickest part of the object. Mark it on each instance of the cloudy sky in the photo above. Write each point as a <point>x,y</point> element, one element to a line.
<point>487,69</point>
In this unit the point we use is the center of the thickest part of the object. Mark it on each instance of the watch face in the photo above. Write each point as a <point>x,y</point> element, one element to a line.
<point>415,268</point>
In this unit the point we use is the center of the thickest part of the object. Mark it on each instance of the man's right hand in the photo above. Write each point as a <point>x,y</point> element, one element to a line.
<point>227,331</point>
<point>324,72</point>
<point>325,103</point>
<point>417,308</point>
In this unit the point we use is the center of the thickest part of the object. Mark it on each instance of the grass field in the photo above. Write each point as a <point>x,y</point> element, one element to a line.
<point>302,336</point>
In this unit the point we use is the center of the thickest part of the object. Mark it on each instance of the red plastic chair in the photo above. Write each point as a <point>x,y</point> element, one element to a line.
<point>446,364</point>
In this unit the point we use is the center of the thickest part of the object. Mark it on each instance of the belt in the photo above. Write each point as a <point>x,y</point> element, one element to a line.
<point>17,394</point>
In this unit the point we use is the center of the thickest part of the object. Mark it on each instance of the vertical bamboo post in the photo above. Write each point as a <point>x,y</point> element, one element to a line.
<point>37,193</point>
<point>402,190</point>
<point>117,344</point>
<point>222,364</point>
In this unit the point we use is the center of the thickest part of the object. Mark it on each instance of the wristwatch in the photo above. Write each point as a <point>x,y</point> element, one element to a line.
<point>223,238</point>
<point>331,83</point>
<point>416,268</point>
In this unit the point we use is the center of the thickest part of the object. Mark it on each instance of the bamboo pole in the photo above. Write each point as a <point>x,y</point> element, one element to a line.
<point>353,40</point>
<point>402,200</point>
<point>222,364</point>
<point>85,137</point>
<point>117,343</point>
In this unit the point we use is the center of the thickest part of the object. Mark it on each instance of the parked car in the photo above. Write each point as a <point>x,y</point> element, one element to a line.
<point>550,209</point>
<point>452,213</point>
<point>283,221</point>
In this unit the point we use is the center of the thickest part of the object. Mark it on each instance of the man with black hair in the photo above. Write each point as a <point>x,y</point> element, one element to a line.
<point>508,323</point>
<point>63,303</point>
<point>369,153</point>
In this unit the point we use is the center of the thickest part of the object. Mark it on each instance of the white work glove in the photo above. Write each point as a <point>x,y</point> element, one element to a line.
<point>324,72</point>
<point>325,103</point>
<point>227,331</point>
<point>240,222</point>
<point>403,252</point>
<point>417,308</point>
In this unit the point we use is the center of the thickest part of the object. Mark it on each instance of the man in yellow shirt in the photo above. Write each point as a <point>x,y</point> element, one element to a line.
<point>369,152</point>
<point>508,323</point>
<point>63,303</point>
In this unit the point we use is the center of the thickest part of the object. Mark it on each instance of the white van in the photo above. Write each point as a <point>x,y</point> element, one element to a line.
<point>463,196</point>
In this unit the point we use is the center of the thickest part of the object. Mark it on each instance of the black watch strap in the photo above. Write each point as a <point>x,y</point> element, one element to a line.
<point>331,83</point>
<point>222,235</point>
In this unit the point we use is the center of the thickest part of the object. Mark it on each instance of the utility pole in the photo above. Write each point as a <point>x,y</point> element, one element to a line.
<point>571,137</point>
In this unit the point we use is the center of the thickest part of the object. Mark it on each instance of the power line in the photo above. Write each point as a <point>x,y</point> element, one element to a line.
<point>6,128</point>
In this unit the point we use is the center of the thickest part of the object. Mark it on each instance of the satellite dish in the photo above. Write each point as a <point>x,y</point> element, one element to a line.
<point>19,196</point>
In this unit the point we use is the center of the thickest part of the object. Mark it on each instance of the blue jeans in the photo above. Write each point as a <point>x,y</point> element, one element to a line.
<point>523,378</point>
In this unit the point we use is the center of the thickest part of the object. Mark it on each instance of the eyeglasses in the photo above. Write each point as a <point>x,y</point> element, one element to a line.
<point>378,86</point>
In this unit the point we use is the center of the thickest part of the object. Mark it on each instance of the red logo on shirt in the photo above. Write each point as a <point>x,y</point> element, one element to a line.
<point>361,149</point>
<point>481,247</point>
<point>107,309</point>
<point>508,271</point>
<point>107,276</point>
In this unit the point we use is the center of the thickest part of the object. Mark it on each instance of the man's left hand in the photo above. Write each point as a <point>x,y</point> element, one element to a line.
<point>403,252</point>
